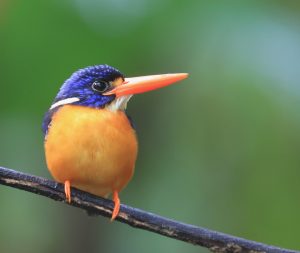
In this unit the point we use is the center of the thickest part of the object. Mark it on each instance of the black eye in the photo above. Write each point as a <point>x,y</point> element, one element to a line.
<point>100,86</point>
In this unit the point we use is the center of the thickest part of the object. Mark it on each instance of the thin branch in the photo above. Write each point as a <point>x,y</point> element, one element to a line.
<point>214,241</point>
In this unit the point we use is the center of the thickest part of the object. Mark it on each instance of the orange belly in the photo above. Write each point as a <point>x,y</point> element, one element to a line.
<point>95,149</point>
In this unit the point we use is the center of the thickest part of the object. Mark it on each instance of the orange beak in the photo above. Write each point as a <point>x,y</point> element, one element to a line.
<point>135,85</point>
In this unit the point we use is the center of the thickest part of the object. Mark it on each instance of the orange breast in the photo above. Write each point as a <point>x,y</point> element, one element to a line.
<point>95,149</point>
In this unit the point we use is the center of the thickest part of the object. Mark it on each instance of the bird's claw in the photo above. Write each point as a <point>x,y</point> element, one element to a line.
<point>68,191</point>
<point>117,205</point>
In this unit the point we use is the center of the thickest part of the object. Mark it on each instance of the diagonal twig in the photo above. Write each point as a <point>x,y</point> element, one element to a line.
<point>214,241</point>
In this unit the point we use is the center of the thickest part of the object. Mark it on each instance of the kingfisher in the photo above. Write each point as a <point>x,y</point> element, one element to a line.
<point>90,142</point>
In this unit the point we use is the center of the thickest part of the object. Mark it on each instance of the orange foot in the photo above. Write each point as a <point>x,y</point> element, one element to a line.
<point>117,205</point>
<point>68,191</point>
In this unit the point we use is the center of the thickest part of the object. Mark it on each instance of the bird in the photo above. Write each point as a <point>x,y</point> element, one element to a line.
<point>90,141</point>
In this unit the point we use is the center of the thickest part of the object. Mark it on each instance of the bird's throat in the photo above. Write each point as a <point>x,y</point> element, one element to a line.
<point>119,103</point>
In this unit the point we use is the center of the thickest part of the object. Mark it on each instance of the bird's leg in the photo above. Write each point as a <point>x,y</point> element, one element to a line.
<point>117,205</point>
<point>68,191</point>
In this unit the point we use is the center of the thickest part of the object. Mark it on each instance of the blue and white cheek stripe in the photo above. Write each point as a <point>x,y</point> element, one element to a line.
<point>64,102</point>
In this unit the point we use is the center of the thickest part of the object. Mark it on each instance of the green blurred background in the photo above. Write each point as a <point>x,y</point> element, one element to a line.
<point>219,150</point>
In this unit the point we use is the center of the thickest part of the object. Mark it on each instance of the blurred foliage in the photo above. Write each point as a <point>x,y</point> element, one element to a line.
<point>220,150</point>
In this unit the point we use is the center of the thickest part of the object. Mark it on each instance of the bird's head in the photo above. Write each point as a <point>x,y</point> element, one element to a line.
<point>103,86</point>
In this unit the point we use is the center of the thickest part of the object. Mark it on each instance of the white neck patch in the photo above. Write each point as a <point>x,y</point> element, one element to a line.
<point>64,102</point>
<point>119,103</point>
